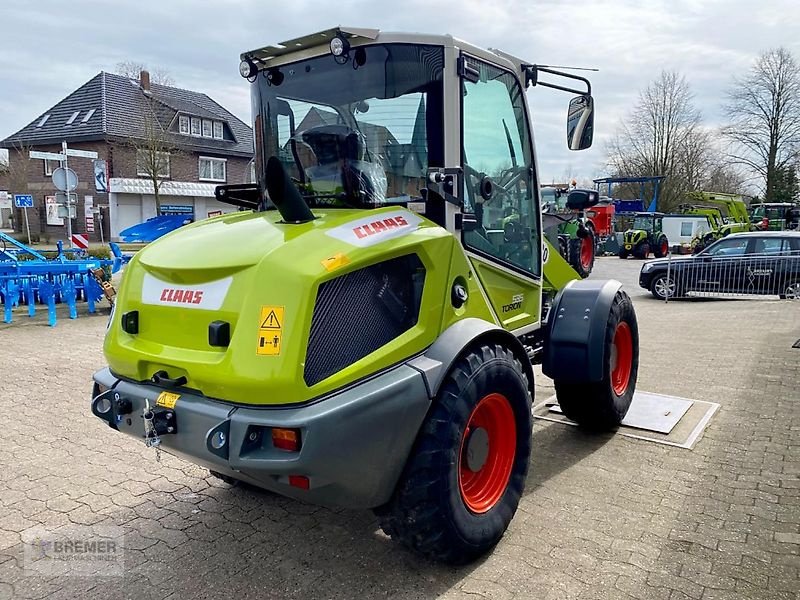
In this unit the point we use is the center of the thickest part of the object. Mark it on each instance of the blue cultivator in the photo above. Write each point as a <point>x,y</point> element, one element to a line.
<point>29,277</point>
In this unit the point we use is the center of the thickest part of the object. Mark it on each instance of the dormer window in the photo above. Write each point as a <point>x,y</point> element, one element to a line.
<point>195,126</point>
<point>183,125</point>
<point>217,130</point>
<point>207,128</point>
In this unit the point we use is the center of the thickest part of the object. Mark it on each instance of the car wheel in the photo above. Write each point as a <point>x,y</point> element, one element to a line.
<point>791,291</point>
<point>663,287</point>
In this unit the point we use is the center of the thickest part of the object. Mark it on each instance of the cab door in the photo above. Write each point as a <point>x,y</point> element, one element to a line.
<point>500,220</point>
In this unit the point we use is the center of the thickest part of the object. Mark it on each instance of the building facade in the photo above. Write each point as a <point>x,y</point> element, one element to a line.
<point>160,150</point>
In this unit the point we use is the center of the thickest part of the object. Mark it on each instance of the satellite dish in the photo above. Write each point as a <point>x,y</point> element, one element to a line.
<point>65,179</point>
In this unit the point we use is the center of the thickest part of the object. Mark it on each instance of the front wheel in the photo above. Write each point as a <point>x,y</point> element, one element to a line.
<point>641,250</point>
<point>663,287</point>
<point>601,405</point>
<point>465,476</point>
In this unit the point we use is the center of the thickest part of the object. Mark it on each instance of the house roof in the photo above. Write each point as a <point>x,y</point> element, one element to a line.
<point>120,110</point>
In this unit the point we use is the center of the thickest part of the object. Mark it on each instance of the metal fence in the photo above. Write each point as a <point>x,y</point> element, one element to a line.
<point>740,276</point>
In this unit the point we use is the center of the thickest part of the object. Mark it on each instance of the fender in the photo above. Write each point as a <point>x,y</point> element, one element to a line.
<point>574,347</point>
<point>435,364</point>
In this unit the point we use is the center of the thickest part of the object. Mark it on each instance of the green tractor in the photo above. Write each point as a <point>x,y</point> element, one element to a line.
<point>363,332</point>
<point>645,236</point>
<point>568,229</point>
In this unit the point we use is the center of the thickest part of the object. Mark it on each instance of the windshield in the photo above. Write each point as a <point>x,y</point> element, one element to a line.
<point>359,132</point>
<point>645,223</point>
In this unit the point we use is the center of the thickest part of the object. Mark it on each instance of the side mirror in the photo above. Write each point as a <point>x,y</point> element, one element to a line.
<point>582,199</point>
<point>580,122</point>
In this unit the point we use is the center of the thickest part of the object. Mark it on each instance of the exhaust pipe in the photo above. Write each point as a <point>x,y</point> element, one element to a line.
<point>284,194</point>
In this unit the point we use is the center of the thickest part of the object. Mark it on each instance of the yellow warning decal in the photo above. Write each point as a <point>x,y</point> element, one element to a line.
<point>270,331</point>
<point>334,262</point>
<point>167,399</point>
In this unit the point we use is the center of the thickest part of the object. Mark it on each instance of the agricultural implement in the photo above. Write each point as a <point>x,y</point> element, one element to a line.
<point>29,277</point>
<point>363,334</point>
<point>726,212</point>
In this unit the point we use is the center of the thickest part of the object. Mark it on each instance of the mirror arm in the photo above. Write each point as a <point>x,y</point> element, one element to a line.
<point>532,79</point>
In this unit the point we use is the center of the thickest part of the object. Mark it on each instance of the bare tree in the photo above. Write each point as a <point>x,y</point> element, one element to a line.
<point>132,69</point>
<point>764,106</point>
<point>18,173</point>
<point>663,136</point>
<point>154,147</point>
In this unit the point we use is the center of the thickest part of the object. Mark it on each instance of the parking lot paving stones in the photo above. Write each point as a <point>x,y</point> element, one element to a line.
<point>603,516</point>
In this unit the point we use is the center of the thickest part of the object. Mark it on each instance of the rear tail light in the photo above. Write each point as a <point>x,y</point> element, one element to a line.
<point>286,439</point>
<point>299,481</point>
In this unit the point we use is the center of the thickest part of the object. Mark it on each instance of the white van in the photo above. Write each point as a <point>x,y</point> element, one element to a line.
<point>680,229</point>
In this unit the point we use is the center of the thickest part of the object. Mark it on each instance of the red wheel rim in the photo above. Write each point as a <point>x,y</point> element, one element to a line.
<point>481,489</point>
<point>664,248</point>
<point>586,252</point>
<point>621,358</point>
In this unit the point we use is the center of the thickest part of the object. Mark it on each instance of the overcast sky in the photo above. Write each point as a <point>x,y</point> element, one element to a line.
<point>51,47</point>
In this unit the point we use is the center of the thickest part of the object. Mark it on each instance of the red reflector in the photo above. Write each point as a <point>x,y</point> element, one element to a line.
<point>286,439</point>
<point>299,481</point>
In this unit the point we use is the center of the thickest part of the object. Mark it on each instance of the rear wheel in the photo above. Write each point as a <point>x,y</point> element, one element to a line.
<point>601,405</point>
<point>661,248</point>
<point>791,291</point>
<point>465,476</point>
<point>581,254</point>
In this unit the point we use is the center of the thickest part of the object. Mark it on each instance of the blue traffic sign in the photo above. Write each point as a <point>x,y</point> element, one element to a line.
<point>23,200</point>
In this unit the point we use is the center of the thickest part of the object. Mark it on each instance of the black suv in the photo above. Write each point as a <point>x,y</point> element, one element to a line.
<point>762,263</point>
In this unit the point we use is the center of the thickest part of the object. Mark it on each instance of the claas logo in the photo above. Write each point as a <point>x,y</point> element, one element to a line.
<point>377,227</point>
<point>174,296</point>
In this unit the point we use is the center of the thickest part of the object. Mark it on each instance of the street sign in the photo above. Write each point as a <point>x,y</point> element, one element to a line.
<point>46,155</point>
<point>64,198</point>
<point>80,240</point>
<point>89,224</point>
<point>65,179</point>
<point>23,200</point>
<point>81,153</point>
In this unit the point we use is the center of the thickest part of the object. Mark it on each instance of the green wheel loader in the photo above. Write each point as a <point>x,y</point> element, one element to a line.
<point>363,332</point>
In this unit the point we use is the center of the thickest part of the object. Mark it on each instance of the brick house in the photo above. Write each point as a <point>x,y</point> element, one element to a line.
<point>113,116</point>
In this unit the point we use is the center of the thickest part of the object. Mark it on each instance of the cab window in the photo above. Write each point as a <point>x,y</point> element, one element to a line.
<point>496,157</point>
<point>728,247</point>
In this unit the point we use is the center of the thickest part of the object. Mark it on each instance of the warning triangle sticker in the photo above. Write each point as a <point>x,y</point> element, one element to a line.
<point>271,322</point>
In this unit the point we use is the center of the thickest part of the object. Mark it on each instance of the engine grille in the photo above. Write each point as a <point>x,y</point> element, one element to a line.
<point>359,312</point>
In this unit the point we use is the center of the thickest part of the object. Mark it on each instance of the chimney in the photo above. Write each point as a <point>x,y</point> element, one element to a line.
<point>144,81</point>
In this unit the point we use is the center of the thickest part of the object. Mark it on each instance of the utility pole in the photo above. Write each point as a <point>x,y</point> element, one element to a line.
<point>68,193</point>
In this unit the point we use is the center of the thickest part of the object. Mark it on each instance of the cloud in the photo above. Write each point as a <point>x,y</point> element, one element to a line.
<point>53,47</point>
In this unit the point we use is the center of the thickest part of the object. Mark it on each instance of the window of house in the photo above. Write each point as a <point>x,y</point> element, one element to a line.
<point>72,117</point>
<point>195,126</point>
<point>212,169</point>
<point>207,128</point>
<point>88,116</point>
<point>49,165</point>
<point>149,163</point>
<point>217,130</point>
<point>43,121</point>
<point>183,125</point>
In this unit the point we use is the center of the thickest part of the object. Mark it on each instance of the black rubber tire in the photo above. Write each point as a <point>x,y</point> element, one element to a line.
<point>623,254</point>
<point>595,405</point>
<point>427,512</point>
<point>657,249</point>
<point>575,255</point>
<point>641,250</point>
<point>656,295</point>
